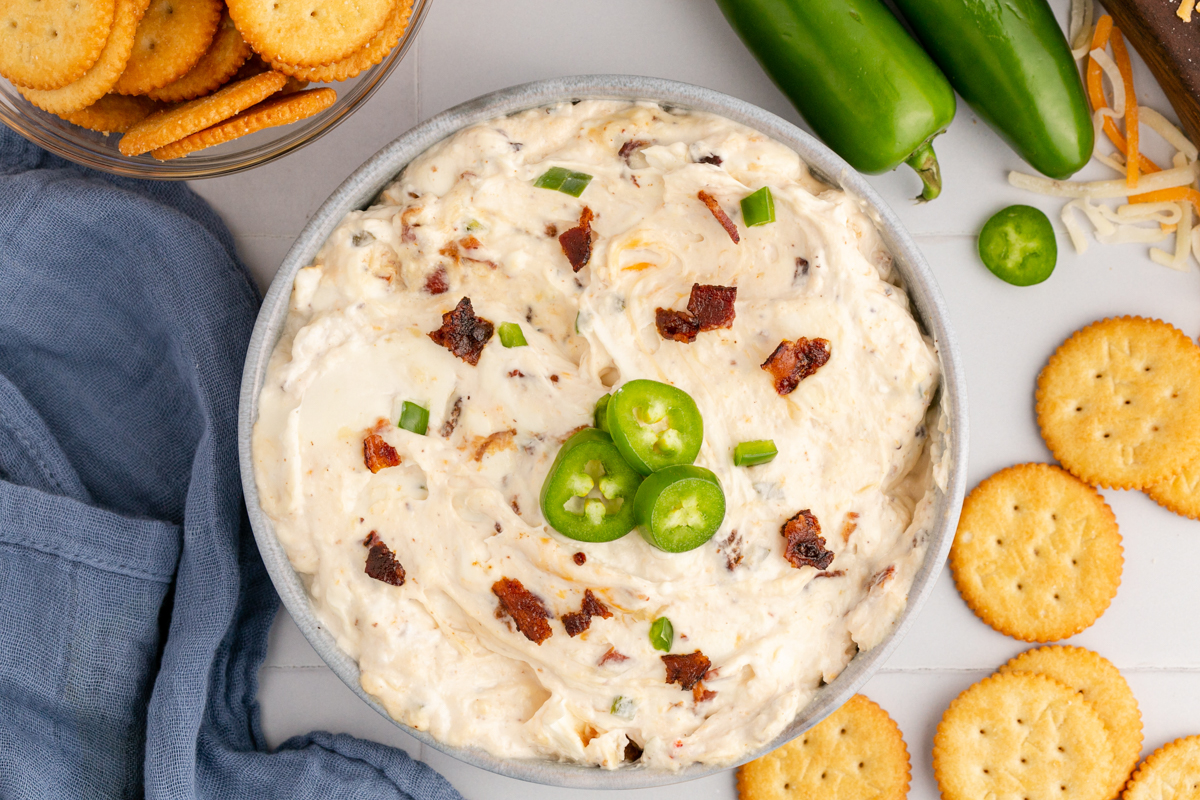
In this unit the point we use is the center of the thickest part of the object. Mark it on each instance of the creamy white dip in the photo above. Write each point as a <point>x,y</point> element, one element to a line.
<point>461,510</point>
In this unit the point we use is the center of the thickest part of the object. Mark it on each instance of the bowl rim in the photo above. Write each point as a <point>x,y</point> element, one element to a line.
<point>365,184</point>
<point>41,132</point>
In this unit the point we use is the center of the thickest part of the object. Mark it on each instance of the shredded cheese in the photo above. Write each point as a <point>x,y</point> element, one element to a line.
<point>1129,104</point>
<point>1185,10</point>
<point>1165,179</point>
<point>1163,127</point>
<point>1080,27</point>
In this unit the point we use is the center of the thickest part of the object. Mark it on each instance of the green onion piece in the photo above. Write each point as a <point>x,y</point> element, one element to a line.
<point>623,707</point>
<point>662,634</point>
<point>758,208</point>
<point>414,418</point>
<point>563,180</point>
<point>511,335</point>
<point>601,416</point>
<point>747,454</point>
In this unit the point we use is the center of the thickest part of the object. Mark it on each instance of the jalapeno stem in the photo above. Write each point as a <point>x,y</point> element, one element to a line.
<point>925,162</point>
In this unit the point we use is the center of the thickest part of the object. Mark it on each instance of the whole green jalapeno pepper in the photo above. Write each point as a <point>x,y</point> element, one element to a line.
<point>1011,62</point>
<point>654,425</point>
<point>856,76</point>
<point>589,492</point>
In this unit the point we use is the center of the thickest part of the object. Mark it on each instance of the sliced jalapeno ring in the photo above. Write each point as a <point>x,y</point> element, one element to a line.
<point>654,425</point>
<point>679,508</point>
<point>601,413</point>
<point>589,492</point>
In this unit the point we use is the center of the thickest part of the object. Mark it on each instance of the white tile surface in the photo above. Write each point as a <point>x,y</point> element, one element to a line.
<point>468,47</point>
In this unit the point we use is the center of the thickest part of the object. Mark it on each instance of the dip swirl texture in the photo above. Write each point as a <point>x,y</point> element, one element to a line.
<point>460,510</point>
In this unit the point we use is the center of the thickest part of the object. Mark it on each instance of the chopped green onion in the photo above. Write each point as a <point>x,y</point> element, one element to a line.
<point>474,225</point>
<point>662,634</point>
<point>758,208</point>
<point>563,180</point>
<point>511,335</point>
<point>747,454</point>
<point>623,707</point>
<point>601,415</point>
<point>414,418</point>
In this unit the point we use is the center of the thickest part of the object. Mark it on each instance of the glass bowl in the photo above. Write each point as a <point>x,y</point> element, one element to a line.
<point>99,151</point>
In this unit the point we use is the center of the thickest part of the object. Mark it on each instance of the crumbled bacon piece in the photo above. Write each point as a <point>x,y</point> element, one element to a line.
<point>677,325</point>
<point>452,420</point>
<point>883,576</point>
<point>470,243</point>
<point>577,242</point>
<point>712,306</point>
<point>407,234</point>
<point>378,454</point>
<point>436,282</point>
<point>708,308</point>
<point>463,333</point>
<point>701,694</point>
<point>711,158</point>
<point>720,214</point>
<point>805,545</point>
<point>631,147</point>
<point>579,621</point>
<point>580,559</point>
<point>732,547</point>
<point>836,573</point>
<point>792,362</point>
<point>381,562</point>
<point>500,440</point>
<point>525,608</point>
<point>612,655</point>
<point>686,670</point>
<point>849,526</point>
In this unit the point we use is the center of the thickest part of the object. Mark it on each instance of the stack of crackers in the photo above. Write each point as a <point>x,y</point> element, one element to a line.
<point>176,76</point>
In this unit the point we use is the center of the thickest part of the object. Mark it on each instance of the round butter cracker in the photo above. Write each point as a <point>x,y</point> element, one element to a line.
<point>309,33</point>
<point>281,109</point>
<point>1119,402</point>
<point>221,62</point>
<point>172,36</point>
<point>362,59</point>
<point>172,124</point>
<point>856,753</point>
<point>113,113</point>
<point>46,44</point>
<point>98,80</point>
<point>1101,684</point>
<point>1021,736</point>
<point>1180,492</point>
<point>1172,772</point>
<point>1037,554</point>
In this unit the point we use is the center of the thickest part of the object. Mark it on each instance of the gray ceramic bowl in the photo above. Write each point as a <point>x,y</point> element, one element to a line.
<point>360,190</point>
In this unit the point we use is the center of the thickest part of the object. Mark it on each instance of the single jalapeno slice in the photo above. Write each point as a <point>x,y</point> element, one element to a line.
<point>589,492</point>
<point>679,508</point>
<point>654,425</point>
<point>601,413</point>
<point>1017,244</point>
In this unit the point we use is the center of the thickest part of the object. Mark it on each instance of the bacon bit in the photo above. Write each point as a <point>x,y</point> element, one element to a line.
<point>712,306</point>
<point>516,507</point>
<point>632,751</point>
<point>711,158</point>
<point>381,562</point>
<point>407,232</point>
<point>805,546</point>
<point>700,694</point>
<point>554,379</point>
<point>463,333</point>
<point>792,362</point>
<point>686,670</point>
<point>732,547</point>
<point>837,573</point>
<point>679,326</point>
<point>436,282</point>
<point>500,440</point>
<point>578,622</point>
<point>631,147</point>
<point>452,421</point>
<point>612,655</point>
<point>801,269</point>
<point>525,608</point>
<point>720,214</point>
<point>516,373</point>
<point>883,576</point>
<point>378,454</point>
<point>470,243</point>
<point>849,526</point>
<point>551,230</point>
<point>577,242</point>
<point>580,559</point>
<point>572,432</point>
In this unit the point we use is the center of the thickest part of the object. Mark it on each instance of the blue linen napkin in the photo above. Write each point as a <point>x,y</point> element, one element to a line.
<point>134,607</point>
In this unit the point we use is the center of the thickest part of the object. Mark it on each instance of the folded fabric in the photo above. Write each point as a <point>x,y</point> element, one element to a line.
<point>134,607</point>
